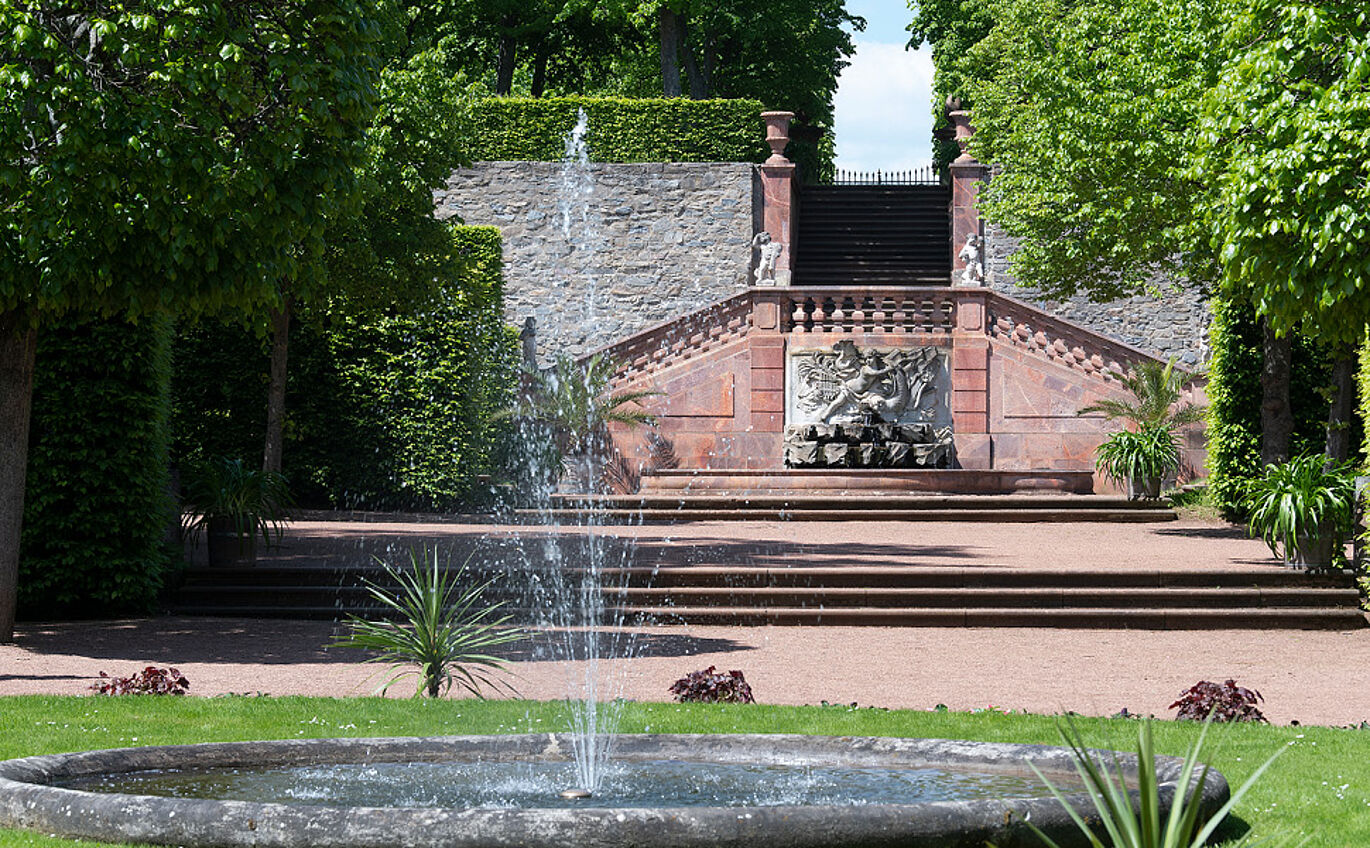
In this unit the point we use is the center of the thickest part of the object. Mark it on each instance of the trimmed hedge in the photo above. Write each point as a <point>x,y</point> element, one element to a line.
<point>1234,402</point>
<point>620,129</point>
<point>387,413</point>
<point>98,506</point>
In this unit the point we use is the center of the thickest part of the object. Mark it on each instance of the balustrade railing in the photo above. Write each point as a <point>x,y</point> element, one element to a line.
<point>927,175</point>
<point>867,310</point>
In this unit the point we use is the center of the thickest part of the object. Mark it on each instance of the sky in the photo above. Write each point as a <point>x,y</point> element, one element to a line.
<point>883,106</point>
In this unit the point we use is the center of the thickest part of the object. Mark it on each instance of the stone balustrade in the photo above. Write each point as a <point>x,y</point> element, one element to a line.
<point>672,342</point>
<point>1026,326</point>
<point>893,310</point>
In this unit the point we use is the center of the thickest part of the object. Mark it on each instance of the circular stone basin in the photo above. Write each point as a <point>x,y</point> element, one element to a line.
<point>505,791</point>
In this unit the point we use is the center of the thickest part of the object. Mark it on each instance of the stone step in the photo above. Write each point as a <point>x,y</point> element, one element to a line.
<point>1265,618</point>
<point>1017,516</point>
<point>768,597</point>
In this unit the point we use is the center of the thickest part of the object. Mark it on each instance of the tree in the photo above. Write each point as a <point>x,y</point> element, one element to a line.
<point>162,156</point>
<point>388,249</point>
<point>1283,140</point>
<point>950,28</point>
<point>1085,106</point>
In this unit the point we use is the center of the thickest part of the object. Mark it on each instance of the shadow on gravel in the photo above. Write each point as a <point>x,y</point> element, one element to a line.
<point>1230,532</point>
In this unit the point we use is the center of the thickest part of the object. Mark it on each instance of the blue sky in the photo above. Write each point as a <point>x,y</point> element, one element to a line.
<point>884,98</point>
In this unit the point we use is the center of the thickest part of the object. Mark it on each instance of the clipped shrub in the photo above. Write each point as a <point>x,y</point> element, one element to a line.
<point>97,506</point>
<point>388,412</point>
<point>149,681</point>
<point>712,687</point>
<point>1224,701</point>
<point>620,129</point>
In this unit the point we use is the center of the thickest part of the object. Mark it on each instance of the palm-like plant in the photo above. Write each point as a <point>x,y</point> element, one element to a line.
<point>1143,825</point>
<point>1157,391</point>
<point>1139,459</point>
<point>443,631</point>
<point>574,402</point>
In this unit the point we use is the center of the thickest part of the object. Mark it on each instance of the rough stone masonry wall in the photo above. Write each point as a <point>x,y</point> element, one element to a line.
<point>646,243</point>
<point>1173,324</point>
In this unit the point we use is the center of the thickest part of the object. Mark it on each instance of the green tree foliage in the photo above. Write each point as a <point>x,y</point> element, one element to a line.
<point>1086,108</point>
<point>99,505</point>
<point>158,156</point>
<point>1283,140</point>
<point>950,28</point>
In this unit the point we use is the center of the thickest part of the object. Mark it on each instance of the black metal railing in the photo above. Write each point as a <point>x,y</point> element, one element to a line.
<point>928,175</point>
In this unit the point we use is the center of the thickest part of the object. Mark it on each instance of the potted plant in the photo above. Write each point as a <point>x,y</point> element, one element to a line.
<point>1139,459</point>
<point>234,505</point>
<point>1304,510</point>
<point>1142,457</point>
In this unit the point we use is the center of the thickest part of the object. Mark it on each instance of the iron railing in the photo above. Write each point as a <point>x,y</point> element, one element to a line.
<point>928,175</point>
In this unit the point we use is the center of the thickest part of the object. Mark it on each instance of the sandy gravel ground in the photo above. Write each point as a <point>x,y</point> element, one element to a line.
<point>1313,677</point>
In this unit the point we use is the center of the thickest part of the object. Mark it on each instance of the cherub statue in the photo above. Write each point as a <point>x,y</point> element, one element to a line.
<point>770,251</point>
<point>974,273</point>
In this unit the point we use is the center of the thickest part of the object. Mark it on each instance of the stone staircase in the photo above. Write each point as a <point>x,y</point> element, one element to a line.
<point>884,596</point>
<point>873,234</point>
<point>773,503</point>
<point>988,597</point>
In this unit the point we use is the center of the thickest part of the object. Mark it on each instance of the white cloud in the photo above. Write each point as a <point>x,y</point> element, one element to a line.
<point>883,108</point>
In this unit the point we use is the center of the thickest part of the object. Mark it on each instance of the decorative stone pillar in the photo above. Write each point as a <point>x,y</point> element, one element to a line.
<point>970,360</point>
<point>778,194</point>
<point>967,175</point>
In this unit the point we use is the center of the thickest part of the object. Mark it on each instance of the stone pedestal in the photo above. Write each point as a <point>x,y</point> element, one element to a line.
<point>778,187</point>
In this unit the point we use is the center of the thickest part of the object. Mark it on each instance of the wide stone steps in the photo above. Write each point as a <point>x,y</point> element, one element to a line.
<point>849,506</point>
<point>857,595</point>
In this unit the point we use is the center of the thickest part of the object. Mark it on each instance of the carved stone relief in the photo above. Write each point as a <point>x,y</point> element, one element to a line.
<point>868,408</point>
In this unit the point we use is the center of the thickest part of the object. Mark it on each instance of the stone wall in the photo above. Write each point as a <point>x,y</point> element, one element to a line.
<point>645,242</point>
<point>1173,324</point>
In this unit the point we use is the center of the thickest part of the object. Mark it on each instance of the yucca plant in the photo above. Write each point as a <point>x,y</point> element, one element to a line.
<point>1303,509</point>
<point>1143,824</point>
<point>1139,459</point>
<point>438,627</point>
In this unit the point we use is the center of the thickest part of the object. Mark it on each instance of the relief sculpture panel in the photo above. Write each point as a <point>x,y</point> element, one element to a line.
<point>876,407</point>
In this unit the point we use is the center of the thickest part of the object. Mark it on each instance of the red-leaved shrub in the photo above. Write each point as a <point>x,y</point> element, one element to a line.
<point>149,681</point>
<point>713,687</point>
<point>1225,702</point>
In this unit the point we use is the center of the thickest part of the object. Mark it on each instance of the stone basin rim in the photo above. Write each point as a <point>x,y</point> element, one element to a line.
<point>27,801</point>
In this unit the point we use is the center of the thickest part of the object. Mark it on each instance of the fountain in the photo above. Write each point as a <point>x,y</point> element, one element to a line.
<point>455,792</point>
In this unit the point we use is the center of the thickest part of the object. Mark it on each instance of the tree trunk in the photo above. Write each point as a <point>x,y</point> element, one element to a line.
<point>275,392</point>
<point>18,341</point>
<point>540,57</point>
<point>1343,401</point>
<point>1277,418</point>
<point>670,52</point>
<point>504,72</point>
<point>698,87</point>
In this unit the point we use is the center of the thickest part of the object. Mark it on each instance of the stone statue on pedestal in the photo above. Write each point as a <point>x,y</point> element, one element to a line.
<point>971,252</point>
<point>769,253</point>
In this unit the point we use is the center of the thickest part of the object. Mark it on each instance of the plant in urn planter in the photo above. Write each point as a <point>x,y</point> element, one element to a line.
<point>1304,510</point>
<point>234,505</point>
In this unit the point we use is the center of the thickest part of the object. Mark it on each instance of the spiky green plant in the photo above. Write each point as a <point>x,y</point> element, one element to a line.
<point>1303,508</point>
<point>1148,453</point>
<point>438,627</point>
<point>1143,825</point>
<point>1157,391</point>
<point>574,402</point>
<point>251,501</point>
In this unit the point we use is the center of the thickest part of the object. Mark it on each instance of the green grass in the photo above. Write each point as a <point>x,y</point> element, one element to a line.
<point>1318,791</point>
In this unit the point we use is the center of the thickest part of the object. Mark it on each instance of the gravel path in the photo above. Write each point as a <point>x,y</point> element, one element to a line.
<point>1312,677</point>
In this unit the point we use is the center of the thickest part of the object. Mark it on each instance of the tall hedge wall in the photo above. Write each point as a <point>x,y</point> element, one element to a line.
<point>1234,401</point>
<point>620,129</point>
<point>98,505</point>
<point>392,412</point>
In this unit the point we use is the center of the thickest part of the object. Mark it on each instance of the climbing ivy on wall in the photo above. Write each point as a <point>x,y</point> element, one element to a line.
<point>97,504</point>
<point>1234,401</point>
<point>620,129</point>
<point>387,412</point>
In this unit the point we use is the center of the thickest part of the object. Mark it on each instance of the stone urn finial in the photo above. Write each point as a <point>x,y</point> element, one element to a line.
<point>777,135</point>
<point>960,119</point>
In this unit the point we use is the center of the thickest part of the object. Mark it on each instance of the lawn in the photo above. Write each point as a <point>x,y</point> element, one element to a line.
<point>1318,791</point>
